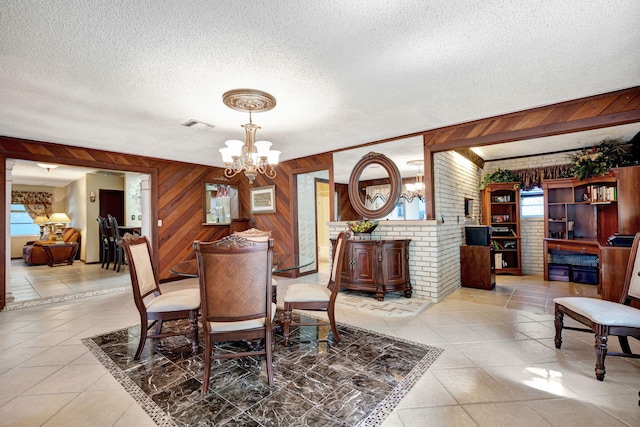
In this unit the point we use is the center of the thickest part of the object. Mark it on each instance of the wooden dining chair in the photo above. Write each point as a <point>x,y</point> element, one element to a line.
<point>235,290</point>
<point>304,296</point>
<point>153,305</point>
<point>605,318</point>
<point>106,243</point>
<point>114,236</point>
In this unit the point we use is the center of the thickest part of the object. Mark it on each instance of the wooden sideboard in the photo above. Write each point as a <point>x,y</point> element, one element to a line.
<point>378,266</point>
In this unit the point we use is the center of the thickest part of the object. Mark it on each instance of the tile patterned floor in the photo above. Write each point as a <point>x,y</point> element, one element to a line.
<point>499,365</point>
<point>316,382</point>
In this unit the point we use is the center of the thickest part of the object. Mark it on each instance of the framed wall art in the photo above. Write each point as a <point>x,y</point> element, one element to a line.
<point>263,199</point>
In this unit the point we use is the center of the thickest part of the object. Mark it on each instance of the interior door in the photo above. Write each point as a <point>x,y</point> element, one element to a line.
<point>112,202</point>
<point>307,216</point>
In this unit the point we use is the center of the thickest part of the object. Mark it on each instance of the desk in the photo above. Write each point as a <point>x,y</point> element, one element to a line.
<point>56,255</point>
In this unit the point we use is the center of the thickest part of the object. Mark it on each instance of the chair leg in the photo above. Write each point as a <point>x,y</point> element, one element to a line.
<point>624,345</point>
<point>602,333</point>
<point>208,348</point>
<point>158,327</point>
<point>193,318</point>
<point>286,323</point>
<point>268,356</point>
<point>332,321</point>
<point>143,338</point>
<point>117,259</point>
<point>558,322</point>
<point>110,254</point>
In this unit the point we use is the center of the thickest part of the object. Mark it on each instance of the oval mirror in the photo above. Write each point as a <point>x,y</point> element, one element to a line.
<point>366,204</point>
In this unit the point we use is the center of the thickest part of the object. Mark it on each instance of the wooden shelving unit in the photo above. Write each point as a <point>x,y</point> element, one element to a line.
<point>581,215</point>
<point>501,210</point>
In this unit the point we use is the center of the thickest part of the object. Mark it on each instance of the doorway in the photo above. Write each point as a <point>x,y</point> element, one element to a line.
<point>112,202</point>
<point>313,213</point>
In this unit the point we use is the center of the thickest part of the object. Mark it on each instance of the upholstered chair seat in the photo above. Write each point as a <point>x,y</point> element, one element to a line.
<point>305,292</point>
<point>185,299</point>
<point>241,324</point>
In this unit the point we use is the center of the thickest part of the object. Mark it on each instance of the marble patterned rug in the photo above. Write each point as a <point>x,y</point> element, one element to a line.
<point>317,382</point>
<point>395,304</point>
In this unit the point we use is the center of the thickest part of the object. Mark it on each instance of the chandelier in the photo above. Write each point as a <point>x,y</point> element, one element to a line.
<point>411,191</point>
<point>251,157</point>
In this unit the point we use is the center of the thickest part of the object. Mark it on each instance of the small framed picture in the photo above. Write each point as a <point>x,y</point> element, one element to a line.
<point>263,199</point>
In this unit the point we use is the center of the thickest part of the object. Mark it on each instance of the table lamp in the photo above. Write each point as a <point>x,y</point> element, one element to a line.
<point>58,220</point>
<point>41,221</point>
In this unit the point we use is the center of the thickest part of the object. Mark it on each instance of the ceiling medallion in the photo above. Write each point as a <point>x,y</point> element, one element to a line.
<point>252,100</point>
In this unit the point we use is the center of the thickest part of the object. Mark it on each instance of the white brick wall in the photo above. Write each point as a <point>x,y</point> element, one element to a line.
<point>532,251</point>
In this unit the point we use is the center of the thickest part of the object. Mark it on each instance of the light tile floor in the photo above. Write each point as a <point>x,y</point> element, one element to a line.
<point>499,366</point>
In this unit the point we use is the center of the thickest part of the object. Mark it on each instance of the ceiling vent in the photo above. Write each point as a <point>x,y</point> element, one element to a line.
<point>196,124</point>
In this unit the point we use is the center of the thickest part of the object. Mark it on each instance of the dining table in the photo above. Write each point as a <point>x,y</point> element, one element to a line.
<point>281,263</point>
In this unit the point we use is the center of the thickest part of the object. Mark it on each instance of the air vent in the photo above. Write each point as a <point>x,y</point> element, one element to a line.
<point>196,124</point>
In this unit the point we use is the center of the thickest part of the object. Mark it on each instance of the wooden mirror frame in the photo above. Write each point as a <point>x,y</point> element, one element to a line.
<point>395,181</point>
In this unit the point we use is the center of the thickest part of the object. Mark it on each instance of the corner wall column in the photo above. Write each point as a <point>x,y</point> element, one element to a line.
<point>7,262</point>
<point>145,206</point>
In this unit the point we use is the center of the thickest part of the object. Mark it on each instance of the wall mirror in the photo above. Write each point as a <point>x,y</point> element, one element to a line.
<point>374,186</point>
<point>410,206</point>
<point>220,203</point>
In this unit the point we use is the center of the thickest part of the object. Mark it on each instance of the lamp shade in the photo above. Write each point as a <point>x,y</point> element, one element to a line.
<point>59,218</point>
<point>41,220</point>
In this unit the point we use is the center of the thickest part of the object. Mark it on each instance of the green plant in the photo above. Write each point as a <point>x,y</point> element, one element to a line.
<point>598,160</point>
<point>500,175</point>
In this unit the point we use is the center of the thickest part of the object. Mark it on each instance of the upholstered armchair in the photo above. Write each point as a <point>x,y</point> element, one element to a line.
<point>34,253</point>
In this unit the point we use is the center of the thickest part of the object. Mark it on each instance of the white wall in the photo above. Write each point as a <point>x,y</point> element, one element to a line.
<point>132,201</point>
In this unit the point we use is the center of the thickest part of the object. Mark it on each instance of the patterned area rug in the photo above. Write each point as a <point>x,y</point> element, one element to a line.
<point>394,305</point>
<point>317,382</point>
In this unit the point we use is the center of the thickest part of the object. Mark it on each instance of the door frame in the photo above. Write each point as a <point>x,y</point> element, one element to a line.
<point>58,157</point>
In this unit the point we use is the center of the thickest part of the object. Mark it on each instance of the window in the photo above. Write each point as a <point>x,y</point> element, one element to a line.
<point>21,222</point>
<point>532,203</point>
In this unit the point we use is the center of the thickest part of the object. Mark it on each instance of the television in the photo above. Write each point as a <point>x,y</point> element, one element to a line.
<point>477,235</point>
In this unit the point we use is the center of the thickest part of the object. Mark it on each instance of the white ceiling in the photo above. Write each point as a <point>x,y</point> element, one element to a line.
<point>123,75</point>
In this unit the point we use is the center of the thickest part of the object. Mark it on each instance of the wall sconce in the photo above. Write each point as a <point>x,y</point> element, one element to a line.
<point>92,197</point>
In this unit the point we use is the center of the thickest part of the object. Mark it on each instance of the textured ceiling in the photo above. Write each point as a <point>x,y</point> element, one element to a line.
<point>123,75</point>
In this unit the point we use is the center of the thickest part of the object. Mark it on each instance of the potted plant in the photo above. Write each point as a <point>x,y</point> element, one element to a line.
<point>500,175</point>
<point>599,159</point>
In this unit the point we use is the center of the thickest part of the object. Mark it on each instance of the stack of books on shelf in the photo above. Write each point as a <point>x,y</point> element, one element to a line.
<point>601,193</point>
